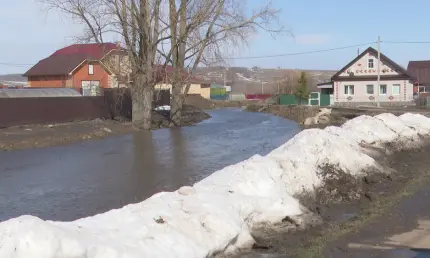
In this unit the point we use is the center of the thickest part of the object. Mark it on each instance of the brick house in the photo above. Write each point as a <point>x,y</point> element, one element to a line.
<point>85,67</point>
<point>420,70</point>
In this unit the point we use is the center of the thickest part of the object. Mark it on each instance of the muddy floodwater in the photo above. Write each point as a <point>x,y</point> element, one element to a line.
<point>69,182</point>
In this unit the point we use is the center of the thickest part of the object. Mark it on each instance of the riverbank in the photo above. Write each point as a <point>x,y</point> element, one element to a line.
<point>337,117</point>
<point>36,136</point>
<point>360,214</point>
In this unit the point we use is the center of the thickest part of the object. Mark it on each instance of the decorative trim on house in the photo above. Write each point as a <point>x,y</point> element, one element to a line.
<point>95,61</point>
<point>384,59</point>
<point>372,78</point>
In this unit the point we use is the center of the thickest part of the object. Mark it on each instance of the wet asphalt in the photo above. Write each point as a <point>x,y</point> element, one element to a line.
<point>70,182</point>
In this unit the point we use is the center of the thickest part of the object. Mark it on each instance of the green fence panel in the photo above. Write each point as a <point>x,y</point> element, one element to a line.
<point>288,99</point>
<point>314,95</point>
<point>218,91</point>
<point>314,102</point>
<point>324,100</point>
<point>303,102</point>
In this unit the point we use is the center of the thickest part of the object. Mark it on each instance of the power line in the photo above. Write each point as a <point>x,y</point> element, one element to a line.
<point>406,42</point>
<point>303,53</point>
<point>15,64</point>
<point>287,54</point>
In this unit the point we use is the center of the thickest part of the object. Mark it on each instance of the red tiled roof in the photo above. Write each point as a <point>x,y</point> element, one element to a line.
<point>64,60</point>
<point>420,71</point>
<point>92,51</point>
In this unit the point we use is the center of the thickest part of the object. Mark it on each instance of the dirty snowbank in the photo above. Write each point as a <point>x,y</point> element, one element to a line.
<point>217,213</point>
<point>303,154</point>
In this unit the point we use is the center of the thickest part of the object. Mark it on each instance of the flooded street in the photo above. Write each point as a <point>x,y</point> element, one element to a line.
<point>74,181</point>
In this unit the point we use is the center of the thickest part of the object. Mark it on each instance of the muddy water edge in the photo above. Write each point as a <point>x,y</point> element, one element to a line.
<point>346,205</point>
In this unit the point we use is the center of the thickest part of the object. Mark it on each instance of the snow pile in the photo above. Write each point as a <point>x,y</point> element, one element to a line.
<point>369,129</point>
<point>302,155</point>
<point>162,108</point>
<point>217,213</point>
<point>417,122</point>
<point>257,177</point>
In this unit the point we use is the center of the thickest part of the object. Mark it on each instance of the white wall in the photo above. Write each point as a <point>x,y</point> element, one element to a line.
<point>360,91</point>
<point>194,89</point>
<point>360,68</point>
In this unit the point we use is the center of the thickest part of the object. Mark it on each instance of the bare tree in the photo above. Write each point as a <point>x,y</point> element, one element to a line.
<point>138,23</point>
<point>287,82</point>
<point>199,31</point>
<point>207,29</point>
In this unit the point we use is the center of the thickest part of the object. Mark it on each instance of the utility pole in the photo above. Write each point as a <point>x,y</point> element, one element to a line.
<point>225,76</point>
<point>379,72</point>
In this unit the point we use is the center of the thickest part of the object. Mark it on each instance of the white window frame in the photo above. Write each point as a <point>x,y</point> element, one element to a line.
<point>373,87</point>
<point>350,86</point>
<point>373,63</point>
<point>392,89</point>
<point>90,69</point>
<point>380,91</point>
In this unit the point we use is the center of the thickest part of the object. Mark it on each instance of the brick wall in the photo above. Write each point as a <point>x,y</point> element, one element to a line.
<point>57,81</point>
<point>82,74</point>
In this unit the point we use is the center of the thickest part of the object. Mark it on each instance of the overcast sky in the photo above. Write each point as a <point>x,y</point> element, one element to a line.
<point>29,33</point>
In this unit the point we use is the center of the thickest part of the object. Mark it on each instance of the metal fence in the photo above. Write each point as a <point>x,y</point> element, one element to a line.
<point>44,110</point>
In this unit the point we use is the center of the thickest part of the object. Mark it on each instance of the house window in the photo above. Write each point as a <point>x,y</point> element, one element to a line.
<point>422,89</point>
<point>382,89</point>
<point>349,89</point>
<point>396,89</point>
<point>369,89</point>
<point>90,69</point>
<point>370,63</point>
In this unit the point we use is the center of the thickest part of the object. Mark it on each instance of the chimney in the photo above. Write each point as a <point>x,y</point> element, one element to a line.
<point>118,44</point>
<point>358,51</point>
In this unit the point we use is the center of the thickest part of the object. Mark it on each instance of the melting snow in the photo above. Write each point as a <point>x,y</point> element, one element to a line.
<point>217,213</point>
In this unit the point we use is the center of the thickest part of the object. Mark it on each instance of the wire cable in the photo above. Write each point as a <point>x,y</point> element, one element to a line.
<point>303,53</point>
<point>405,42</point>
<point>259,57</point>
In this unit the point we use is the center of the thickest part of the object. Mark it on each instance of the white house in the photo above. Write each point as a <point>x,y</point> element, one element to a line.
<point>356,83</point>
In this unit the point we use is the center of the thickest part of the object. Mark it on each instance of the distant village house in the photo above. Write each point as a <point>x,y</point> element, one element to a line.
<point>356,83</point>
<point>85,67</point>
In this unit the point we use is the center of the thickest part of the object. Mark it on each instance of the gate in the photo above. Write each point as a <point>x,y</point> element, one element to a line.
<point>324,99</point>
<point>314,99</point>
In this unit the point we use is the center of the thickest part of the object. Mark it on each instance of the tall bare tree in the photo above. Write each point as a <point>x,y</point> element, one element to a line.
<point>138,23</point>
<point>207,29</point>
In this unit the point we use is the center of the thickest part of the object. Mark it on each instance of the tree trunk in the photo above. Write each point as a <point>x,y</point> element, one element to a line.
<point>176,103</point>
<point>141,96</point>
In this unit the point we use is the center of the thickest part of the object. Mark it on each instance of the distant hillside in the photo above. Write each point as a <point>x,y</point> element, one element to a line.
<point>13,80</point>
<point>246,80</point>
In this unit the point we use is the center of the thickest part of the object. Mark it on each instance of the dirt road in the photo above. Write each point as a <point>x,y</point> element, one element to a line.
<point>402,231</point>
